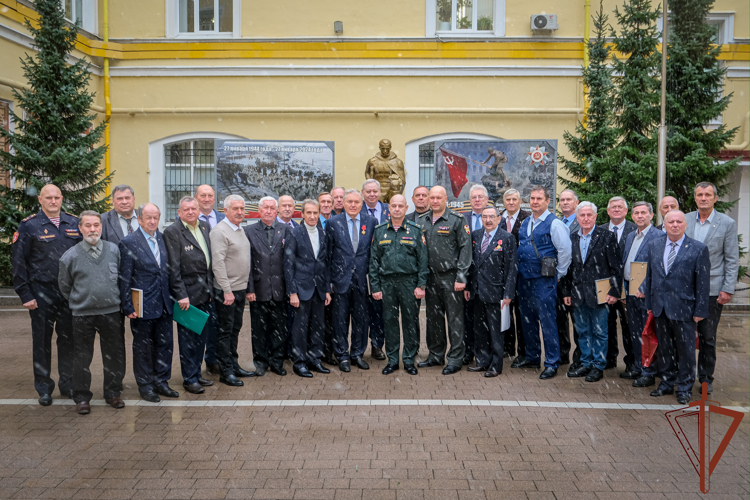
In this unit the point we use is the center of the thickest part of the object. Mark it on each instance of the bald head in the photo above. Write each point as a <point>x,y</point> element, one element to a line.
<point>148,217</point>
<point>50,198</point>
<point>438,200</point>
<point>397,206</point>
<point>667,204</point>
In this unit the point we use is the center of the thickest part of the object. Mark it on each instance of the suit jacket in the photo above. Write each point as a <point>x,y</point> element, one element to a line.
<point>267,261</point>
<point>603,261</point>
<point>304,273</point>
<point>492,276</point>
<point>642,254</point>
<point>723,251</point>
<point>522,215</point>
<point>683,293</point>
<point>139,269</point>
<point>111,228</point>
<point>468,219</point>
<point>629,228</point>
<point>189,274</point>
<point>574,226</point>
<point>344,261</point>
<point>414,216</point>
<point>292,222</point>
<point>385,214</point>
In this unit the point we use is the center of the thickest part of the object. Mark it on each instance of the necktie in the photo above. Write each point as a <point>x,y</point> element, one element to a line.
<point>355,235</point>
<point>478,222</point>
<point>565,221</point>
<point>94,252</point>
<point>486,242</point>
<point>671,256</point>
<point>372,211</point>
<point>130,227</point>
<point>269,235</point>
<point>509,223</point>
<point>156,249</point>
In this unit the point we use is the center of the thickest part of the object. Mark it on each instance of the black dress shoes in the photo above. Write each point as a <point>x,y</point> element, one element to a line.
<point>194,388</point>
<point>468,360</point>
<point>259,371</point>
<point>548,373</point>
<point>45,400</point>
<point>491,374</point>
<point>683,398</point>
<point>525,364</point>
<point>303,372</point>
<point>239,372</point>
<point>450,370</point>
<point>231,380</point>
<point>410,369</point>
<point>166,391</point>
<point>389,369</point>
<point>278,371</point>
<point>595,375</point>
<point>574,366</point>
<point>630,373</point>
<point>319,368</point>
<point>213,368</point>
<point>429,363</point>
<point>205,383</point>
<point>644,381</point>
<point>477,369</point>
<point>83,408</point>
<point>330,360</point>
<point>377,353</point>
<point>151,397</point>
<point>345,366</point>
<point>661,392</point>
<point>517,361</point>
<point>581,371</point>
<point>360,363</point>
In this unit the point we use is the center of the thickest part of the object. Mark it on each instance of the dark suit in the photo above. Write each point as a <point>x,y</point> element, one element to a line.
<point>565,315</point>
<point>349,283</point>
<point>307,276</point>
<point>375,307</point>
<point>492,278</point>
<point>210,333</point>
<point>190,277</point>
<point>675,297</point>
<point>613,350</point>
<point>603,261</point>
<point>268,311</point>
<point>637,313</point>
<point>515,332</point>
<point>111,228</point>
<point>472,222</point>
<point>152,333</point>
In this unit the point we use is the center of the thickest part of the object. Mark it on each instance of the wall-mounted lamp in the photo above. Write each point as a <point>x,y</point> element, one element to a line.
<point>338,27</point>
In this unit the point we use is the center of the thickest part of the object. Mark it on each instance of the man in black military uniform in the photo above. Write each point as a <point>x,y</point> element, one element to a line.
<point>398,277</point>
<point>449,249</point>
<point>38,244</point>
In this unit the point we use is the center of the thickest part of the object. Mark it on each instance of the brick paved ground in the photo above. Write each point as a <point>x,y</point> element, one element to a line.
<point>448,451</point>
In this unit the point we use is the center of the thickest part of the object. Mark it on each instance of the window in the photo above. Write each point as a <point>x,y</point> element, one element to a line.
<point>206,17</point>
<point>188,164</point>
<point>427,164</point>
<point>74,10</point>
<point>465,18</point>
<point>83,12</point>
<point>722,24</point>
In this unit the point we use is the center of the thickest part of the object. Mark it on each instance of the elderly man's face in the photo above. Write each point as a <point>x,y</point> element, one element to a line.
<point>371,192</point>
<point>397,206</point>
<point>490,219</point>
<point>668,203</point>
<point>235,212</point>
<point>268,212</point>
<point>538,202</point>
<point>326,205</point>
<point>149,219</point>
<point>421,199</point>
<point>353,204</point>
<point>478,200</point>
<point>617,211</point>
<point>338,199</point>
<point>675,225</point>
<point>188,212</point>
<point>91,229</point>
<point>642,217</point>
<point>206,198</point>
<point>568,203</point>
<point>123,202</point>
<point>311,213</point>
<point>586,219</point>
<point>286,208</point>
<point>512,203</point>
<point>705,198</point>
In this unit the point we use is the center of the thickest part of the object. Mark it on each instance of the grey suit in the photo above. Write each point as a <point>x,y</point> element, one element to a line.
<point>724,254</point>
<point>111,228</point>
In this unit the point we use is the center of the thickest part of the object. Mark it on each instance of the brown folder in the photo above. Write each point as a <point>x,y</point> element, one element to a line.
<point>602,290</point>
<point>637,275</point>
<point>137,296</point>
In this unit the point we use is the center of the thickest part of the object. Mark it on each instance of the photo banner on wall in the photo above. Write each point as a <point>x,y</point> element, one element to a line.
<point>254,169</point>
<point>497,165</point>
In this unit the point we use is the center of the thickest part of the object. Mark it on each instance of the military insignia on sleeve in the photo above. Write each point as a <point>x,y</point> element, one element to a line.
<point>15,236</point>
<point>466,228</point>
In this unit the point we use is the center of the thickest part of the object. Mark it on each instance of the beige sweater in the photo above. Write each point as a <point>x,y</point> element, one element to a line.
<point>230,257</point>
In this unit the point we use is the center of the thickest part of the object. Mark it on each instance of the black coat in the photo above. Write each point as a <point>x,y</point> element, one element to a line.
<point>522,215</point>
<point>492,276</point>
<point>267,261</point>
<point>629,228</point>
<point>189,274</point>
<point>603,260</point>
<point>304,273</point>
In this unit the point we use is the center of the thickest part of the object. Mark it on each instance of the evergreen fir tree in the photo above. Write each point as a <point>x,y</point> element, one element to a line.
<point>694,79</point>
<point>590,173</point>
<point>56,142</point>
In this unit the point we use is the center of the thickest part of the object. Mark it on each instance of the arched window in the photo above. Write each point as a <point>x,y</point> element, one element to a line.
<point>187,165</point>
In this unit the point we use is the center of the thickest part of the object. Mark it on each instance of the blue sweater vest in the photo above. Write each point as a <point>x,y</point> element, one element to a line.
<point>528,264</point>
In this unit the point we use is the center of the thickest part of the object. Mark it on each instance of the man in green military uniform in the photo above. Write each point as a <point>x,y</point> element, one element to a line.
<point>448,242</point>
<point>398,277</point>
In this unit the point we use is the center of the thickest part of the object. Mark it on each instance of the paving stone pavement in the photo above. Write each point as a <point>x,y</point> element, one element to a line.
<point>366,436</point>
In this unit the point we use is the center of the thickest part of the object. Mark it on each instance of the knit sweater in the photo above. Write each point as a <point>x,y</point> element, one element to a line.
<point>230,257</point>
<point>89,284</point>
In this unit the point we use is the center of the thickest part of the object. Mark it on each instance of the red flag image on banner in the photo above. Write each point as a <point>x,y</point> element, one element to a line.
<point>456,169</point>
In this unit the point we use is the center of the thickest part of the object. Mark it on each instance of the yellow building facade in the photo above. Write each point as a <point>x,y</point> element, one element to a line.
<point>185,72</point>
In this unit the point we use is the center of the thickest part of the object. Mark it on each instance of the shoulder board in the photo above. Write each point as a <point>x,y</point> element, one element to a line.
<point>422,216</point>
<point>29,217</point>
<point>72,215</point>
<point>382,224</point>
<point>457,214</point>
<point>414,224</point>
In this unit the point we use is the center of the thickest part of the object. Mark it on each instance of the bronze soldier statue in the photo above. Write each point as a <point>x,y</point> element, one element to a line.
<point>388,169</point>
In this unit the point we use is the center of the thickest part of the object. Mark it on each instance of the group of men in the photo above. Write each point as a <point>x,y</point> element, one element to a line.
<point>319,290</point>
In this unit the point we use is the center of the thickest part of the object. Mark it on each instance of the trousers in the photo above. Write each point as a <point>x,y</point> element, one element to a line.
<point>443,301</point>
<point>153,345</point>
<point>52,315</point>
<point>591,323</point>
<point>637,316</point>
<point>707,339</point>
<point>352,305</point>
<point>268,333</point>
<point>488,337</point>
<point>111,329</point>
<point>193,345</point>
<point>676,354</point>
<point>398,294</point>
<point>308,330</point>
<point>537,298</point>
<point>228,330</point>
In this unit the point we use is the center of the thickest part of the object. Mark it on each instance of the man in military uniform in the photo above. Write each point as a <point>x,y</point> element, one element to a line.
<point>398,277</point>
<point>38,244</point>
<point>449,249</point>
<point>386,168</point>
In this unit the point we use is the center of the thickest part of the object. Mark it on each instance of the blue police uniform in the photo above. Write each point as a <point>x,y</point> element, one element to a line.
<point>37,247</point>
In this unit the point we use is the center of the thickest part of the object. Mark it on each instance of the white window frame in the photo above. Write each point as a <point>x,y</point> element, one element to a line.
<point>498,22</point>
<point>172,19</point>
<point>725,20</point>
<point>89,15</point>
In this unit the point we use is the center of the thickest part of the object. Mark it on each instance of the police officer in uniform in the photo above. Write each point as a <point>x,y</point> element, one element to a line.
<point>38,244</point>
<point>449,249</point>
<point>398,277</point>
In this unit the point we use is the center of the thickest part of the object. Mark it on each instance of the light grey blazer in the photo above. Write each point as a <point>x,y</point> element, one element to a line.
<point>723,251</point>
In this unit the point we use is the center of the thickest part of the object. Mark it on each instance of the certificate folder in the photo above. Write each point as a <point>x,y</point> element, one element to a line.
<point>637,275</point>
<point>193,319</point>
<point>602,290</point>
<point>136,294</point>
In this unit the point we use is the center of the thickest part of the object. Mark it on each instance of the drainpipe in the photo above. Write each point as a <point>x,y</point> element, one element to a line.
<point>107,102</point>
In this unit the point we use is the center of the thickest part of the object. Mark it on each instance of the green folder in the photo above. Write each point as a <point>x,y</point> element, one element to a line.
<point>193,319</point>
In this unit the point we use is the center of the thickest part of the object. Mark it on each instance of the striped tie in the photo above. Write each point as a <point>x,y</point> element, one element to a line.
<point>156,249</point>
<point>486,242</point>
<point>672,255</point>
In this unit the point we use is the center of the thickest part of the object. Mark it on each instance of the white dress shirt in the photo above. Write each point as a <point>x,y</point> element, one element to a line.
<point>124,221</point>
<point>560,235</point>
<point>510,219</point>
<point>233,226</point>
<point>668,248</point>
<point>378,211</point>
<point>619,227</point>
<point>702,228</point>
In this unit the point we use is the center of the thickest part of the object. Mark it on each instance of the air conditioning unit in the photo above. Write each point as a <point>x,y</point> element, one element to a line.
<point>544,22</point>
